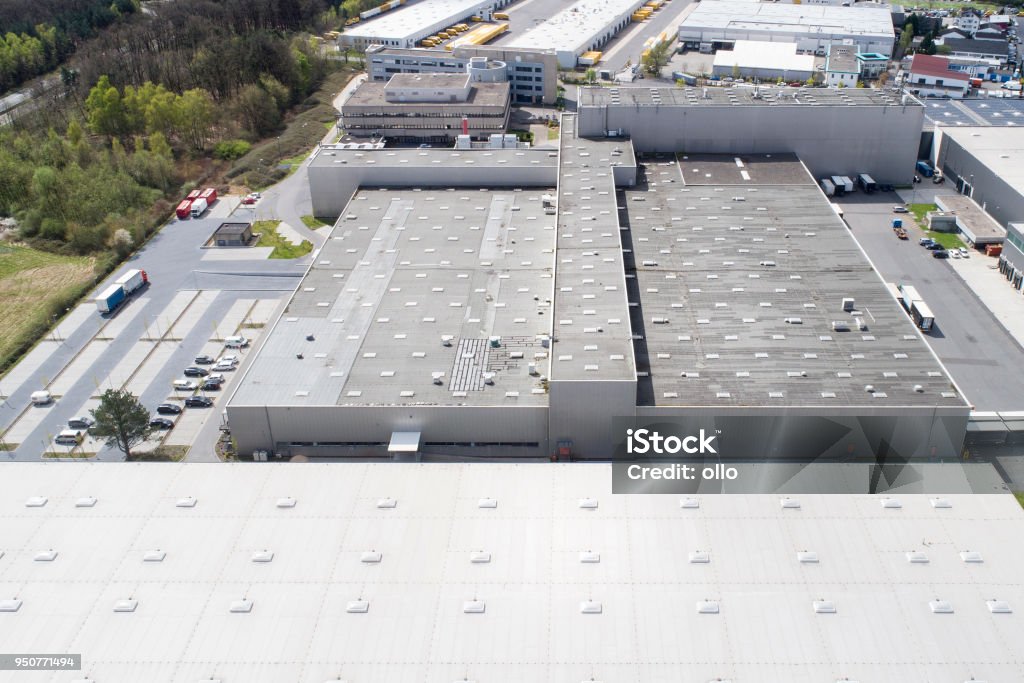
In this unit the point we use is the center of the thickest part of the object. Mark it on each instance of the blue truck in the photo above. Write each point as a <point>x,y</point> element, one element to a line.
<point>113,296</point>
<point>925,169</point>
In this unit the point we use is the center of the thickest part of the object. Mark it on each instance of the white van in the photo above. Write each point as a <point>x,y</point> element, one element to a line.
<point>41,398</point>
<point>70,437</point>
<point>236,342</point>
<point>184,385</point>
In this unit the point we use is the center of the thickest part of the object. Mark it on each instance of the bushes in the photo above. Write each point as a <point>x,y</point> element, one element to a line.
<point>229,150</point>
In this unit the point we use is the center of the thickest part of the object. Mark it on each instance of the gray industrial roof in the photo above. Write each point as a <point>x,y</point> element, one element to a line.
<point>971,217</point>
<point>332,155</point>
<point>741,270</point>
<point>179,573</point>
<point>410,21</point>
<point>403,270</point>
<point>719,96</point>
<point>592,332</point>
<point>575,27</point>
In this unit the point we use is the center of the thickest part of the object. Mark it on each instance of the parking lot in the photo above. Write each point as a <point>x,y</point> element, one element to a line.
<point>195,299</point>
<point>983,358</point>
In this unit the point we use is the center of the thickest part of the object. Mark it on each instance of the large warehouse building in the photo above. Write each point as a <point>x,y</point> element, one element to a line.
<point>407,25</point>
<point>834,132</point>
<point>814,28</point>
<point>583,26</point>
<point>238,573</point>
<point>483,320</point>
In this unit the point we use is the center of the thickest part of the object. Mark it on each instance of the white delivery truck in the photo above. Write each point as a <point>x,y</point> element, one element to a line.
<point>198,208</point>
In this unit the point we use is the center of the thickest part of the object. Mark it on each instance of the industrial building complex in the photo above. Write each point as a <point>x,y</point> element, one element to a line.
<point>170,573</point>
<point>488,315</point>
<point>407,25</point>
<point>814,28</point>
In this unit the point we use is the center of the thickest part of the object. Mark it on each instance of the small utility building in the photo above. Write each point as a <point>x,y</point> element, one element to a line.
<point>233,235</point>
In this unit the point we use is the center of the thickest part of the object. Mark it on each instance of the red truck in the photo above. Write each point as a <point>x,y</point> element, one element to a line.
<point>210,195</point>
<point>184,209</point>
<point>194,194</point>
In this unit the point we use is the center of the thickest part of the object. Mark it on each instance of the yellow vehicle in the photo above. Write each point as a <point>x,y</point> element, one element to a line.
<point>501,15</point>
<point>427,42</point>
<point>476,19</point>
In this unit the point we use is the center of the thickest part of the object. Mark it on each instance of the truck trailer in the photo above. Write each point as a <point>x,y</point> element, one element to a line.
<point>867,183</point>
<point>210,195</point>
<point>828,187</point>
<point>198,208</point>
<point>922,315</point>
<point>184,209</point>
<point>116,294</point>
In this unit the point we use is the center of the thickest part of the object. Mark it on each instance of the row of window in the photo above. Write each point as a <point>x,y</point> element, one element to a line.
<point>454,116</point>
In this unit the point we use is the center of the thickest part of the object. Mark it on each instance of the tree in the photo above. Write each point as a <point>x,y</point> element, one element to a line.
<point>105,109</point>
<point>907,37</point>
<point>591,76</point>
<point>121,420</point>
<point>656,58</point>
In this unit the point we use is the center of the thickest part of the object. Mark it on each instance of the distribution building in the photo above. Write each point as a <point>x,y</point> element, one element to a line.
<point>814,28</point>
<point>583,26</point>
<point>524,320</point>
<point>407,25</point>
<point>844,132</point>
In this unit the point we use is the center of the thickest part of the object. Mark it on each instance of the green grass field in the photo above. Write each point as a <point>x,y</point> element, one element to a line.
<point>31,284</point>
<point>1020,497</point>
<point>269,237</point>
<point>946,239</point>
<point>312,222</point>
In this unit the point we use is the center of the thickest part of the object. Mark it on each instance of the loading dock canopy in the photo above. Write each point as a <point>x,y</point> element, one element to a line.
<point>404,442</point>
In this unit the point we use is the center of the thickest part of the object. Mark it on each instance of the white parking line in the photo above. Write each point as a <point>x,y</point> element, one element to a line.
<point>229,324</point>
<point>128,313</point>
<point>190,316</point>
<point>128,365</point>
<point>26,424</point>
<point>79,367</point>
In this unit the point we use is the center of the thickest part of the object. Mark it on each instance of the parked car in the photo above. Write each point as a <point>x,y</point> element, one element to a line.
<point>184,385</point>
<point>940,253</point>
<point>224,366</point>
<point>161,423</point>
<point>228,358</point>
<point>41,398</point>
<point>964,253</point>
<point>193,371</point>
<point>70,437</point>
<point>935,246</point>
<point>211,384</point>
<point>900,209</point>
<point>198,402</point>
<point>204,360</point>
<point>168,409</point>
<point>80,422</point>
<point>925,241</point>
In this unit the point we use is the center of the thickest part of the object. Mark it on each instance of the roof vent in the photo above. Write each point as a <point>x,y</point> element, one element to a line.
<point>941,503</point>
<point>126,605</point>
<point>474,607</point>
<point>10,605</point>
<point>357,607</point>
<point>242,606</point>
<point>848,304</point>
<point>590,607</point>
<point>285,502</point>
<point>940,606</point>
<point>186,502</point>
<point>45,556</point>
<point>917,557</point>
<point>387,503</point>
<point>87,502</point>
<point>824,607</point>
<point>480,557</point>
<point>36,502</point>
<point>707,607</point>
<point>588,503</point>
<point>370,557</point>
<point>689,503</point>
<point>446,339</point>
<point>789,504</point>
<point>154,556</point>
<point>891,504</point>
<point>589,557</point>
<point>487,503</point>
<point>262,556</point>
<point>998,606</point>
<point>807,557</point>
<point>971,557</point>
<point>700,557</point>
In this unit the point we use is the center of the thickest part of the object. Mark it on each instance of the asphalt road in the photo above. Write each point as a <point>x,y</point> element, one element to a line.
<point>173,261</point>
<point>628,45</point>
<point>986,362</point>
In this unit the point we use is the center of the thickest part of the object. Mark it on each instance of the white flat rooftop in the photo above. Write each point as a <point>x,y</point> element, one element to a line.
<point>574,28</point>
<point>759,54</point>
<point>399,572</point>
<point>409,21</point>
<point>789,18</point>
